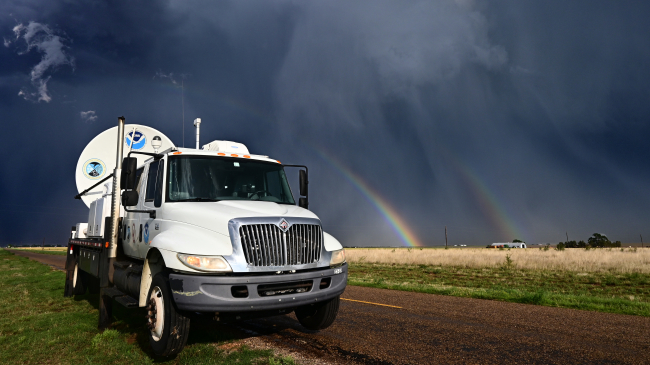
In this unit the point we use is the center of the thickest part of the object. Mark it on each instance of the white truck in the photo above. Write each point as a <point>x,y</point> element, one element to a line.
<point>213,230</point>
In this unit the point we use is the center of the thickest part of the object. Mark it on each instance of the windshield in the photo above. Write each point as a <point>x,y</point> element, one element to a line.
<point>208,178</point>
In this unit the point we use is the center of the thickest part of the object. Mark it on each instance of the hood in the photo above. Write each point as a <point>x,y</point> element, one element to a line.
<point>215,215</point>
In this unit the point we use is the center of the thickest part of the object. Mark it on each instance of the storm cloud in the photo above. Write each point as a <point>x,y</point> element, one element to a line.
<point>497,120</point>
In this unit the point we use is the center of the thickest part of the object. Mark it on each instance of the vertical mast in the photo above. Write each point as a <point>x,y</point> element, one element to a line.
<point>117,174</point>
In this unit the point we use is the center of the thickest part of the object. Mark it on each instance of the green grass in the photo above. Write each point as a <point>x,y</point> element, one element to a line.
<point>604,292</point>
<point>39,326</point>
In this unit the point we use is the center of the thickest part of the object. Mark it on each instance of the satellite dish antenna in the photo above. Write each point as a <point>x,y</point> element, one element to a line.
<point>156,142</point>
<point>98,158</point>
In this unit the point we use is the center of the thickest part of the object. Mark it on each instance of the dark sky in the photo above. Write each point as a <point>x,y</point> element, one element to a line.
<point>496,119</point>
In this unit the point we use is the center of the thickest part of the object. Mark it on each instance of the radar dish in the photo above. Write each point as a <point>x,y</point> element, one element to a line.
<point>98,158</point>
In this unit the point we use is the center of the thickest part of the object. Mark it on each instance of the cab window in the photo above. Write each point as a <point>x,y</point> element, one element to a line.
<point>154,183</point>
<point>138,180</point>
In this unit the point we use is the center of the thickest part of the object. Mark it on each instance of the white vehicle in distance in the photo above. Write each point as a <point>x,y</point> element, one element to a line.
<point>214,231</point>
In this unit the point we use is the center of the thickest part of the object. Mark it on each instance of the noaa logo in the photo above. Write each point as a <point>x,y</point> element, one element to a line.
<point>137,139</point>
<point>284,225</point>
<point>146,233</point>
<point>94,168</point>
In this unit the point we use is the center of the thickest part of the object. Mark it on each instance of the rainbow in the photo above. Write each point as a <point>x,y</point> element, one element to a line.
<point>487,200</point>
<point>399,226</point>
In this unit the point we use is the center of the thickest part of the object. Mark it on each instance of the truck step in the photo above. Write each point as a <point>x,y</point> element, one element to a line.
<point>112,292</point>
<point>127,301</point>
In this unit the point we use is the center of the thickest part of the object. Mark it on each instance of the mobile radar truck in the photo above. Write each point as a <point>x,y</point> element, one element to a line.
<point>188,233</point>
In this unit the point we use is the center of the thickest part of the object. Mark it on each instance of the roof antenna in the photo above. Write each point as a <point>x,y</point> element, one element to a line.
<point>197,124</point>
<point>183,105</point>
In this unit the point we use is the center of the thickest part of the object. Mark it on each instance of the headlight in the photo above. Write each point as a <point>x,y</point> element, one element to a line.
<point>338,257</point>
<point>205,263</point>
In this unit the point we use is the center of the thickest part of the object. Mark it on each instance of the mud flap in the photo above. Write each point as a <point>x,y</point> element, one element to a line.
<point>105,310</point>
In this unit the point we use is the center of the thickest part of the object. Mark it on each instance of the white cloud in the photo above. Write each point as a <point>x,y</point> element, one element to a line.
<point>42,38</point>
<point>89,116</point>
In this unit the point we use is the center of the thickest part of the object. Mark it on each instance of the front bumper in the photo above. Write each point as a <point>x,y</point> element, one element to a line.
<point>203,293</point>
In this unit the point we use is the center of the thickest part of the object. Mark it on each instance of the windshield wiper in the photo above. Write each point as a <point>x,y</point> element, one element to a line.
<point>197,200</point>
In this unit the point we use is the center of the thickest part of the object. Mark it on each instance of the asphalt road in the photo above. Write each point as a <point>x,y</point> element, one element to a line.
<point>434,329</point>
<point>378,326</point>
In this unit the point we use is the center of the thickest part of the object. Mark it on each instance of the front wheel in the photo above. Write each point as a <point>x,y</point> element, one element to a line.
<point>318,316</point>
<point>168,329</point>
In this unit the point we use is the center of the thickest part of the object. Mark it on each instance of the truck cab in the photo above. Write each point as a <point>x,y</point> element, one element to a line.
<point>228,228</point>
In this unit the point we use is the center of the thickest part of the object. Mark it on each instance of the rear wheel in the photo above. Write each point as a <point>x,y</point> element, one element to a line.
<point>318,316</point>
<point>168,328</point>
<point>78,281</point>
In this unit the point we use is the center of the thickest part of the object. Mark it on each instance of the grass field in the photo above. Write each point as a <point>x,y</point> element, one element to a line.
<point>39,326</point>
<point>600,280</point>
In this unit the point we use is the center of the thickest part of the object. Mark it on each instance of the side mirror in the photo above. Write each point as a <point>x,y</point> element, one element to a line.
<point>127,180</point>
<point>303,183</point>
<point>130,198</point>
<point>303,203</point>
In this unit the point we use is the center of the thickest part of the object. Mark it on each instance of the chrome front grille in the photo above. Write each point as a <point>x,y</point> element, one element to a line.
<point>267,245</point>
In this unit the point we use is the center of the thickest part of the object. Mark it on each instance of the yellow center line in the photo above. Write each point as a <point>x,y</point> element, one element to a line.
<point>383,305</point>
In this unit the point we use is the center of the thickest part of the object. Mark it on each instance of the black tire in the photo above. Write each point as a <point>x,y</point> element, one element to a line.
<point>78,281</point>
<point>318,316</point>
<point>167,335</point>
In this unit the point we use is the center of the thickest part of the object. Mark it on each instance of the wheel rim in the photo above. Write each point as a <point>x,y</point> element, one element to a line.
<point>156,313</point>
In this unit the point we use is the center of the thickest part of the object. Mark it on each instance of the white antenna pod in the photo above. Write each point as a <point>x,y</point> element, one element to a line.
<point>197,124</point>
<point>98,158</point>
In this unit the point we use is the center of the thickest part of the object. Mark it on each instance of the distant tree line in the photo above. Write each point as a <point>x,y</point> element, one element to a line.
<point>10,245</point>
<point>597,240</point>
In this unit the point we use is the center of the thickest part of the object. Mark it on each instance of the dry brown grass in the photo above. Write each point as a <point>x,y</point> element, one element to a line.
<point>629,260</point>
<point>41,248</point>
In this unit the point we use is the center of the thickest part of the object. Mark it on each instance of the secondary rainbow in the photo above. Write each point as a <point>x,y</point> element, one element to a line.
<point>488,202</point>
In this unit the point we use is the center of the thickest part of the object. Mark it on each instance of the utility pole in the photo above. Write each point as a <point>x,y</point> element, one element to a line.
<point>641,240</point>
<point>445,237</point>
<point>43,245</point>
<point>567,236</point>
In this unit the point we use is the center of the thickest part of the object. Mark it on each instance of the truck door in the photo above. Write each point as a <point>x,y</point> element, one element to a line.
<point>152,200</point>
